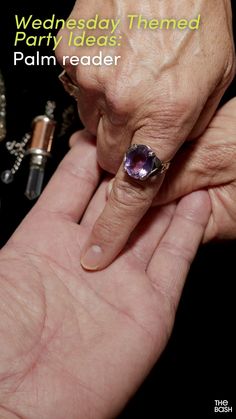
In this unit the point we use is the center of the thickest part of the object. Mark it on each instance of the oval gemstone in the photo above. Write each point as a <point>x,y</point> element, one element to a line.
<point>139,161</point>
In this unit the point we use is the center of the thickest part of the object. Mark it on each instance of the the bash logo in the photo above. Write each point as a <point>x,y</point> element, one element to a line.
<point>222,406</point>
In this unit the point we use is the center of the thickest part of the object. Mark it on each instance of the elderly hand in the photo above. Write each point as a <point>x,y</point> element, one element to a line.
<point>77,344</point>
<point>165,89</point>
<point>209,163</point>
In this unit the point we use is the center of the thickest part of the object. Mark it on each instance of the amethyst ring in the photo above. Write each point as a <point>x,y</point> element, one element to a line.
<point>141,162</point>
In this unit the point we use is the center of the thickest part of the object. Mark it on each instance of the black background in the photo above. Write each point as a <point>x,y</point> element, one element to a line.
<point>197,366</point>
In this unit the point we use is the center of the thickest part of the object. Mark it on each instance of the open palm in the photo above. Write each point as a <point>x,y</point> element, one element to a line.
<point>77,344</point>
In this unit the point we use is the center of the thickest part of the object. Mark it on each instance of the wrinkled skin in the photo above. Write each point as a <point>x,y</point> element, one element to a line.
<point>164,90</point>
<point>209,163</point>
<point>76,344</point>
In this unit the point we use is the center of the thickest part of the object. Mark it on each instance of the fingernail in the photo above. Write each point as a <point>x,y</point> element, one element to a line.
<point>92,258</point>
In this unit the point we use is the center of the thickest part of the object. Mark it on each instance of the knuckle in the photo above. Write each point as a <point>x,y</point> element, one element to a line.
<point>164,134</point>
<point>181,253</point>
<point>168,120</point>
<point>118,105</point>
<point>87,79</point>
<point>119,97</point>
<point>183,102</point>
<point>103,229</point>
<point>129,198</point>
<point>125,201</point>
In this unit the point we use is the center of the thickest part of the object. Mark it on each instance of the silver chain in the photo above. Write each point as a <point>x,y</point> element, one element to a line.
<point>18,148</point>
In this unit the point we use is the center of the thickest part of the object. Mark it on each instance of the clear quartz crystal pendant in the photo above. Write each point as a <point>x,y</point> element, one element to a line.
<point>36,176</point>
<point>39,151</point>
<point>40,143</point>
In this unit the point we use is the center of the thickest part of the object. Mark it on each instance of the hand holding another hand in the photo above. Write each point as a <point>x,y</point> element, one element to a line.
<point>164,90</point>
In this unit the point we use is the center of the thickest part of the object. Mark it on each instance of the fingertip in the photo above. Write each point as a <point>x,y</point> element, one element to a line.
<point>91,258</point>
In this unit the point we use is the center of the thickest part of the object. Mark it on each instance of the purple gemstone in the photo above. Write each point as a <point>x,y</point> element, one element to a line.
<point>140,161</point>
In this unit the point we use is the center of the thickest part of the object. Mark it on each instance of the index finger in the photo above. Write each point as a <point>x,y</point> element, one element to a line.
<point>127,203</point>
